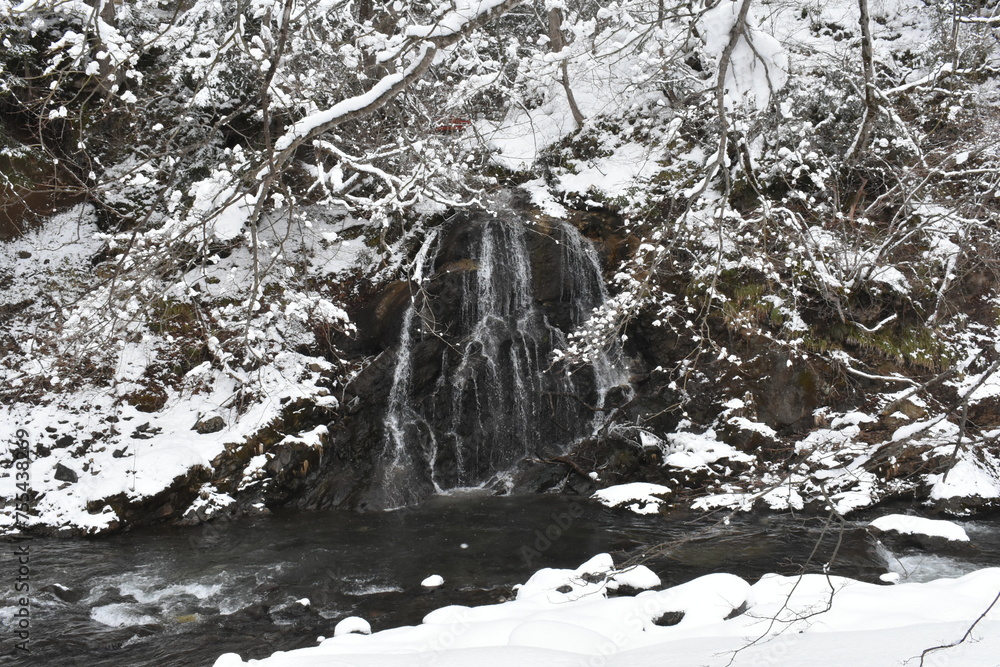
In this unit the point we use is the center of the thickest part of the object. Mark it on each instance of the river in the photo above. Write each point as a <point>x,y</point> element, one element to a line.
<point>172,596</point>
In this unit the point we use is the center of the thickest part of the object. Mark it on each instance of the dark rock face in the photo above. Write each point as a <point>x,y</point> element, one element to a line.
<point>788,395</point>
<point>462,387</point>
<point>468,389</point>
<point>64,474</point>
<point>163,506</point>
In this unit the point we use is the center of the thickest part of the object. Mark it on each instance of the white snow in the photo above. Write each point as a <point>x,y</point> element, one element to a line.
<point>432,581</point>
<point>638,577</point>
<point>758,65</point>
<point>816,620</point>
<point>136,462</point>
<point>697,450</point>
<point>542,197</point>
<point>352,625</point>
<point>915,525</point>
<point>110,441</point>
<point>968,478</point>
<point>455,21</point>
<point>639,497</point>
<point>988,387</point>
<point>852,419</point>
<point>612,175</point>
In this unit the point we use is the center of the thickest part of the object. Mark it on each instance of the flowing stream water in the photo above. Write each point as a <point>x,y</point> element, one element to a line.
<point>171,596</point>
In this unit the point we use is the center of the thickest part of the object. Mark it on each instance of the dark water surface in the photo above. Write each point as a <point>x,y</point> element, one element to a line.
<point>171,596</point>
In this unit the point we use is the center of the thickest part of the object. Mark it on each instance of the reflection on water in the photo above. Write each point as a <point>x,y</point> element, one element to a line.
<point>182,596</point>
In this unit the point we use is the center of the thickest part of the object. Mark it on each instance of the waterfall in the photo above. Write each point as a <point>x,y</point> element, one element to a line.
<point>473,394</point>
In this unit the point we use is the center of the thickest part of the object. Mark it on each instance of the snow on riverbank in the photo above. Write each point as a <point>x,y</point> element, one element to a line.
<point>564,617</point>
<point>141,418</point>
<point>90,447</point>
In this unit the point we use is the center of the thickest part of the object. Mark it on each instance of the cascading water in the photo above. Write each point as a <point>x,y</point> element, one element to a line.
<point>488,398</point>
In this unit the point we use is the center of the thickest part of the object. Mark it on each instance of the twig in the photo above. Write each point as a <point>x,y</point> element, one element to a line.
<point>968,632</point>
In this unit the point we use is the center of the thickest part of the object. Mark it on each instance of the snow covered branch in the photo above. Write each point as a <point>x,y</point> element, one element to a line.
<point>427,40</point>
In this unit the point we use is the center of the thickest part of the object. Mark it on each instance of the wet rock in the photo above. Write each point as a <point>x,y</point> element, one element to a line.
<point>299,612</point>
<point>255,611</point>
<point>266,588</point>
<point>669,618</point>
<point>167,504</point>
<point>377,319</point>
<point>65,594</point>
<point>113,596</point>
<point>453,368</point>
<point>579,485</point>
<point>623,591</point>
<point>618,460</point>
<point>64,474</point>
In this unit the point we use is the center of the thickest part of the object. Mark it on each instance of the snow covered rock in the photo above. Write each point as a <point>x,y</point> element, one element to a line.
<point>915,525</point>
<point>352,625</point>
<point>906,537</point>
<point>638,497</point>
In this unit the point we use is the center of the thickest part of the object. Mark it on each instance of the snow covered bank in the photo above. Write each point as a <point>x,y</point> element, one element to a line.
<point>155,420</point>
<point>564,617</point>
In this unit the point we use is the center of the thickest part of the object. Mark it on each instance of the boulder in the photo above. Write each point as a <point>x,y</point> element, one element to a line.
<point>64,474</point>
<point>210,423</point>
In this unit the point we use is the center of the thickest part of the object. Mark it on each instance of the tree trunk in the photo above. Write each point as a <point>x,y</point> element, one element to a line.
<point>557,44</point>
<point>104,12</point>
<point>860,144</point>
